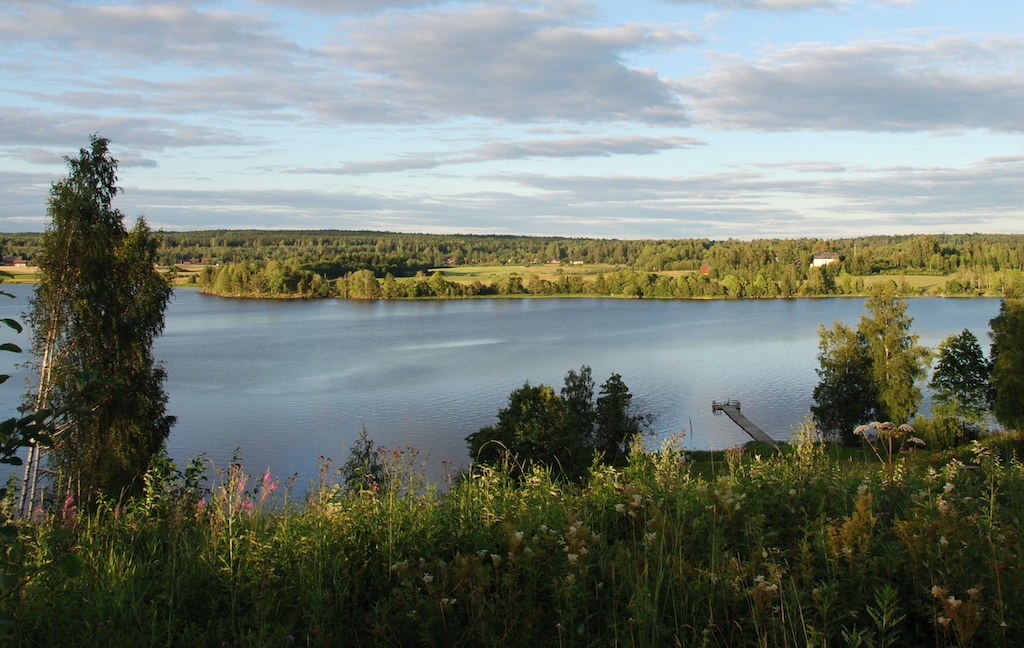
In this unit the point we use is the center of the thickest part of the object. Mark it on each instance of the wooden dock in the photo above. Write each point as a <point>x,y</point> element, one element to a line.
<point>732,410</point>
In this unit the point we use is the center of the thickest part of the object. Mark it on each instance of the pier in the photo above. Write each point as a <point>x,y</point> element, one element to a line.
<point>732,410</point>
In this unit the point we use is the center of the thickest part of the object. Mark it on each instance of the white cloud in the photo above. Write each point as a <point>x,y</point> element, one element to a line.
<point>341,7</point>
<point>22,127</point>
<point>575,147</point>
<point>130,36</point>
<point>771,5</point>
<point>946,84</point>
<point>502,64</point>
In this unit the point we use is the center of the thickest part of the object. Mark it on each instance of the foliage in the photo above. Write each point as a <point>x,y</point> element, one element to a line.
<point>561,429</point>
<point>795,549</point>
<point>960,379</point>
<point>322,263</point>
<point>363,469</point>
<point>98,306</point>
<point>1007,356</point>
<point>844,397</point>
<point>32,428</point>
<point>872,372</point>
<point>898,363</point>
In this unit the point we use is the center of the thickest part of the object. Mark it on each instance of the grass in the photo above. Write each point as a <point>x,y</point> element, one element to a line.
<point>807,546</point>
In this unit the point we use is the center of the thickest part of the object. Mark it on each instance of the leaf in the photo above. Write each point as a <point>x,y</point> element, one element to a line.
<point>70,565</point>
<point>13,323</point>
<point>7,346</point>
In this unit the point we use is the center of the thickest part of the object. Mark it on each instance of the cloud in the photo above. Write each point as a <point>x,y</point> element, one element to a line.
<point>502,64</point>
<point>342,7</point>
<point>985,195</point>
<point>575,147</point>
<point>946,84</point>
<point>158,34</point>
<point>20,127</point>
<point>779,6</point>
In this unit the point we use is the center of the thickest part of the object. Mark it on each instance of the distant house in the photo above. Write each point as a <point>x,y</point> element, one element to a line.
<point>824,258</point>
<point>15,261</point>
<point>704,269</point>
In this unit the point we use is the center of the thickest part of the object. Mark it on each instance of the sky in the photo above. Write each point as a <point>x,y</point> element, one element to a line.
<point>638,119</point>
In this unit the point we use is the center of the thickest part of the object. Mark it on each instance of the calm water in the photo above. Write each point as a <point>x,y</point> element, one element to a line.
<point>285,382</point>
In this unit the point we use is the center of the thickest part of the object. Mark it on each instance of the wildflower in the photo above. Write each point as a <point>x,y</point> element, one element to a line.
<point>496,559</point>
<point>948,488</point>
<point>942,621</point>
<point>518,536</point>
<point>620,508</point>
<point>954,602</point>
<point>943,541</point>
<point>650,536</point>
<point>573,558</point>
<point>428,578</point>
<point>448,601</point>
<point>792,492</point>
<point>862,489</point>
<point>938,592</point>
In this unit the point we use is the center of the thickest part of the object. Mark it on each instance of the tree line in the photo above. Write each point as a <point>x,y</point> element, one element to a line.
<point>292,279</point>
<point>874,373</point>
<point>973,263</point>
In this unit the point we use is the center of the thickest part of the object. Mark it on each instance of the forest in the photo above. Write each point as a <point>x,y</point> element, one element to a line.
<point>386,265</point>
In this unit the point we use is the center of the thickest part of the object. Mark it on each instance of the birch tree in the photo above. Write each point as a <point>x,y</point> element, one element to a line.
<point>98,306</point>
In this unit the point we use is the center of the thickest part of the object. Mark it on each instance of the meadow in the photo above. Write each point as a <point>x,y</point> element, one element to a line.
<point>807,546</point>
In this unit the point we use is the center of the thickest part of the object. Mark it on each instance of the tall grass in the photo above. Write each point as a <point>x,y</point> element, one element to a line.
<point>795,549</point>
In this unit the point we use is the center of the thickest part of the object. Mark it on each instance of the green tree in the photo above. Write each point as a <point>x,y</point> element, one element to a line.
<point>1007,356</point>
<point>845,395</point>
<point>97,307</point>
<point>363,470</point>
<point>617,421</point>
<point>898,363</point>
<point>578,402</point>
<point>565,429</point>
<point>870,373</point>
<point>960,380</point>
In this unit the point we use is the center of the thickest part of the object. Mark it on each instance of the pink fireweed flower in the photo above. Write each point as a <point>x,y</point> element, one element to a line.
<point>69,507</point>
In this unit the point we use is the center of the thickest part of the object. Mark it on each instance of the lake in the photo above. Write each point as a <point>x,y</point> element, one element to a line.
<point>287,381</point>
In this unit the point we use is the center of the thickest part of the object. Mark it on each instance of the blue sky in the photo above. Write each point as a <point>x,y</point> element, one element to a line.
<point>640,119</point>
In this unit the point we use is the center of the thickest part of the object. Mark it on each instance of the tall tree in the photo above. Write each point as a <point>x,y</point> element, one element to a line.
<point>98,306</point>
<point>898,363</point>
<point>872,372</point>
<point>960,380</point>
<point>1007,356</point>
